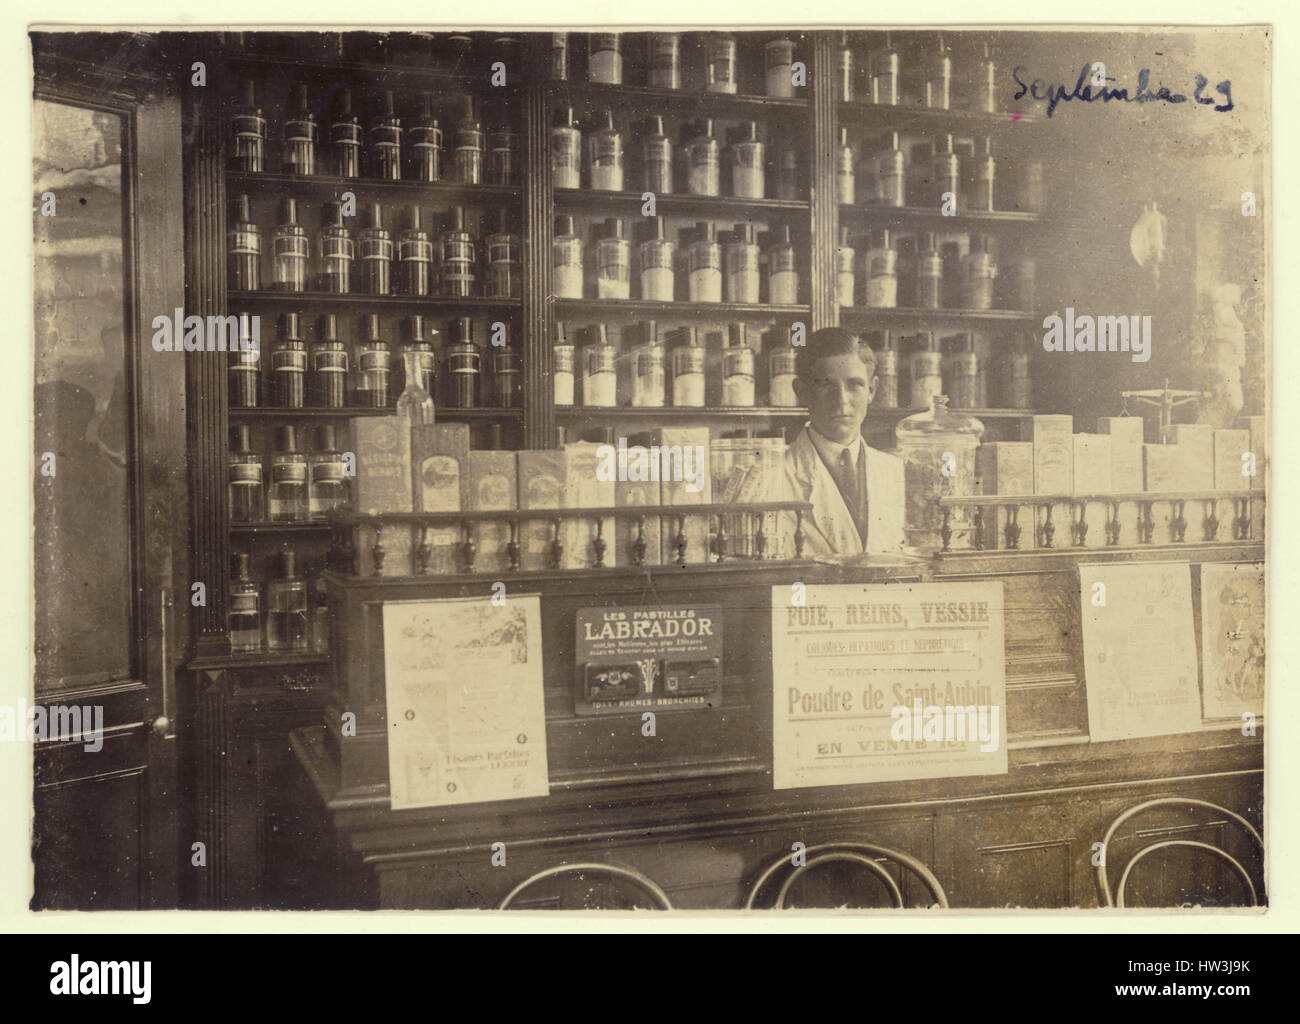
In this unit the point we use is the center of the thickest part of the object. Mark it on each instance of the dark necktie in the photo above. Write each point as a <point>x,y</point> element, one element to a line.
<point>846,479</point>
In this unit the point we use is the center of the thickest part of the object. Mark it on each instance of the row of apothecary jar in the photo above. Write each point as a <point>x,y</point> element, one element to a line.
<point>294,617</point>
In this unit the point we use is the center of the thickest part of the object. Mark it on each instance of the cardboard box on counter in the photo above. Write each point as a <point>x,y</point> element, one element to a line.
<point>1127,434</point>
<point>383,449</point>
<point>583,488</point>
<point>1162,467</point>
<point>491,486</point>
<point>1258,427</point>
<point>1197,443</point>
<point>541,479</point>
<point>1052,437</point>
<point>1229,448</point>
<point>439,452</point>
<point>1092,464</point>
<point>688,481</point>
<point>1003,467</point>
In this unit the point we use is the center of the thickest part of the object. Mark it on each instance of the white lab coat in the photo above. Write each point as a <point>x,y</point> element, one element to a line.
<point>830,532</point>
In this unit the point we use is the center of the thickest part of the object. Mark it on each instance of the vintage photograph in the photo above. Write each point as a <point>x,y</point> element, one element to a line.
<point>715,469</point>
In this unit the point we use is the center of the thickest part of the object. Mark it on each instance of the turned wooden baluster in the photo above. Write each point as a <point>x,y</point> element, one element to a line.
<point>1079,528</point>
<point>1146,524</point>
<point>1112,524</point>
<point>424,553</point>
<point>979,528</point>
<point>377,550</point>
<point>1049,528</point>
<point>598,545</point>
<point>1210,524</point>
<point>638,544</point>
<point>679,542</point>
<point>512,546</point>
<point>1178,524</point>
<point>1242,524</point>
<point>556,553</point>
<point>760,538</point>
<point>1012,529</point>
<point>722,537</point>
<point>349,555</point>
<point>468,549</point>
<point>945,531</point>
<point>799,535</point>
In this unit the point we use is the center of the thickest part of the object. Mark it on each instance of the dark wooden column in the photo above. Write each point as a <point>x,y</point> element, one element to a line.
<point>538,314</point>
<point>825,211</point>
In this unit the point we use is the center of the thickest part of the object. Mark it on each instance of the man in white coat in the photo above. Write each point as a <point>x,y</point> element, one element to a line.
<point>856,491</point>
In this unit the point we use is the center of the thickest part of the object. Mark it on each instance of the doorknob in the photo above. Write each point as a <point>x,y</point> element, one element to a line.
<point>162,725</point>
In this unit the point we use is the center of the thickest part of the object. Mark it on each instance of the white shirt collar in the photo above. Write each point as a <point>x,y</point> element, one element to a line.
<point>830,451</point>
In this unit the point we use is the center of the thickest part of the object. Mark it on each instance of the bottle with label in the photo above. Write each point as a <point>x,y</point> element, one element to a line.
<point>504,252</point>
<point>789,179</point>
<point>704,265</point>
<point>882,270</point>
<point>737,369</point>
<point>963,373</point>
<point>688,370</point>
<point>664,61</point>
<point>845,173</point>
<point>605,58</point>
<point>779,64</point>
<point>978,272</point>
<point>243,249</point>
<point>559,56</point>
<point>647,360</point>
<point>945,172</point>
<point>244,619</point>
<point>502,145</point>
<point>845,273</point>
<point>722,63</point>
<point>373,367</point>
<point>986,83</point>
<point>655,255</point>
<point>246,491</point>
<point>1029,187</point>
<point>289,248</point>
<point>329,486</point>
<point>458,257</point>
<point>985,170</point>
<point>247,133</point>
<point>891,182</point>
<point>329,366</point>
<point>507,376</point>
<point>657,157</point>
<point>925,370</point>
<point>938,78</point>
<point>702,159</point>
<point>781,377</point>
<point>245,366</point>
<point>289,364</point>
<point>566,260</point>
<point>566,151</point>
<point>464,366</point>
<point>885,74</point>
<point>847,64</point>
<point>783,270</point>
<point>887,372</point>
<point>613,262</point>
<point>345,138</point>
<point>420,346</point>
<point>286,608</point>
<point>605,156</point>
<point>748,171</point>
<point>599,370</point>
<point>337,251</point>
<point>954,283</point>
<point>740,257</point>
<point>1016,386</point>
<point>425,138</point>
<point>287,499</point>
<point>468,140</point>
<point>562,372</point>
<point>1016,281</point>
<point>376,249</point>
<point>929,274</point>
<point>300,136</point>
<point>414,403</point>
<point>414,256</point>
<point>385,139</point>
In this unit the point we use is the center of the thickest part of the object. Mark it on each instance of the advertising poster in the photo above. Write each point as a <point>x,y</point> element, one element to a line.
<point>1232,639</point>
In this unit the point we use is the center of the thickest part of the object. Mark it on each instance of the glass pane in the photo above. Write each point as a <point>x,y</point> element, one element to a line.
<point>82,494</point>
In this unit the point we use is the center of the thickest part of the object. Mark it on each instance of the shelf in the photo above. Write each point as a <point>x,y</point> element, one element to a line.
<point>254,529</point>
<point>326,71</point>
<point>676,412</point>
<point>645,100</point>
<point>927,216</point>
<point>331,187</point>
<point>369,303</point>
<point>443,413</point>
<point>884,116</point>
<point>674,204</point>
<point>262,659</point>
<point>923,318</point>
<point>636,309</point>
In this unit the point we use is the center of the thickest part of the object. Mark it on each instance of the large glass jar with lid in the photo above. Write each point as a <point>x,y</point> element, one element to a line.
<point>937,447</point>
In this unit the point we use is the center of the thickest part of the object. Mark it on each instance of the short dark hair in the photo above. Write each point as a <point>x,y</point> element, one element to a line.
<point>828,342</point>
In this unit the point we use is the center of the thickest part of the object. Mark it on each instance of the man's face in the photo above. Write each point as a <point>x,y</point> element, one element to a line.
<point>837,395</point>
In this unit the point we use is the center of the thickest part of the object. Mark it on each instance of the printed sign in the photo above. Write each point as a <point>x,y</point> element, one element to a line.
<point>1232,640</point>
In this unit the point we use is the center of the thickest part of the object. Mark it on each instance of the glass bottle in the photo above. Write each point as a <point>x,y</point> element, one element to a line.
<point>243,250</point>
<point>845,275</point>
<point>779,64</point>
<point>882,270</point>
<point>847,70</point>
<point>657,157</point>
<point>885,74</point>
<point>244,618</point>
<point>964,366</point>
<point>605,58</point>
<point>937,447</point>
<point>562,373</point>
<point>414,402</point>
<point>329,486</point>
<point>373,367</point>
<point>985,171</point>
<point>1016,281</point>
<point>748,171</point>
<point>737,369</point>
<point>248,133</point>
<point>468,165</point>
<point>938,78</point>
<point>688,370</point>
<point>566,151</point>
<point>504,253</point>
<point>415,257</point>
<point>890,178</point>
<point>655,255</point>
<point>605,156</point>
<point>954,282</point>
<point>286,608</point>
<point>788,180</point>
<point>887,372</point>
<point>416,344</point>
<point>385,139</point>
<point>613,260</point>
<point>507,377</point>
<point>289,249</point>
<point>648,368</point>
<point>986,83</point>
<point>1016,387</point>
<point>245,486</point>
<point>345,138</point>
<point>781,377</point>
<point>329,366</point>
<point>337,251</point>
<point>289,364</point>
<point>376,246</point>
<point>464,366</point>
<point>722,63</point>
<point>663,61</point>
<point>559,56</point>
<point>501,149</point>
<point>741,268</point>
<point>782,270</point>
<point>245,373</point>
<point>566,260</point>
<point>287,498</point>
<point>945,172</point>
<point>319,626</point>
<point>978,272</point>
<point>925,371</point>
<point>845,174</point>
<point>704,265</point>
<point>425,139</point>
<point>702,159</point>
<point>300,137</point>
<point>599,371</point>
<point>458,257</point>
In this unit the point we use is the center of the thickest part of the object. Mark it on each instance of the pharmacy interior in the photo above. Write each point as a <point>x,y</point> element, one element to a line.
<point>467,648</point>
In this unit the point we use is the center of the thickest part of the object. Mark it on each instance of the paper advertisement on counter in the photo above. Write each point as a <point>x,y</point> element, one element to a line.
<point>466,721</point>
<point>875,683</point>
<point>1139,650</point>
<point>1233,644</point>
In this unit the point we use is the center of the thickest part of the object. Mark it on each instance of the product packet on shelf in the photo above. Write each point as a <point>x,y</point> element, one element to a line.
<point>1126,439</point>
<point>1092,475</point>
<point>1197,442</point>
<point>383,485</point>
<point>585,488</point>
<point>1003,468</point>
<point>541,479</point>
<point>439,451</point>
<point>685,480</point>
<point>1052,437</point>
<point>492,487</point>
